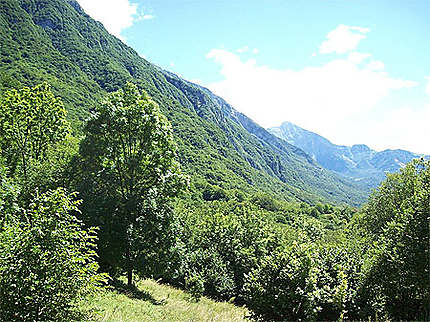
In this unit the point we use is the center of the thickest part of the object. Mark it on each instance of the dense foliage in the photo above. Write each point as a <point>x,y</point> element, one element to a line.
<point>47,256</point>
<point>396,222</point>
<point>128,161</point>
<point>46,261</point>
<point>295,262</point>
<point>284,261</point>
<point>32,123</point>
<point>289,257</point>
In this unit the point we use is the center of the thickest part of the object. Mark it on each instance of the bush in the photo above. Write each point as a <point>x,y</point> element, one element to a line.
<point>338,269</point>
<point>194,284</point>
<point>264,201</point>
<point>9,192</point>
<point>47,261</point>
<point>222,242</point>
<point>282,287</point>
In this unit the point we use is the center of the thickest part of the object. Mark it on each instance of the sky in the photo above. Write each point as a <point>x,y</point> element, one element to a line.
<point>353,71</point>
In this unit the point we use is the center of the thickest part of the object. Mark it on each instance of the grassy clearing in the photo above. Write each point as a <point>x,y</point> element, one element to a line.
<point>151,301</point>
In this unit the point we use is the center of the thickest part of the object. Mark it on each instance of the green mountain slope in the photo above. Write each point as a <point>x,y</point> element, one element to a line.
<point>55,40</point>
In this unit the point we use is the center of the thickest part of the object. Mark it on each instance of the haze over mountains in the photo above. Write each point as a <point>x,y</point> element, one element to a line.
<point>57,42</point>
<point>365,165</point>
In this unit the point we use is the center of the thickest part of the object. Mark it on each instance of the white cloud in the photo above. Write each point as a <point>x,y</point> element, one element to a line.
<point>148,17</point>
<point>255,51</point>
<point>428,85</point>
<point>405,128</point>
<point>116,15</point>
<point>328,99</point>
<point>357,58</point>
<point>243,49</point>
<point>375,65</point>
<point>343,39</point>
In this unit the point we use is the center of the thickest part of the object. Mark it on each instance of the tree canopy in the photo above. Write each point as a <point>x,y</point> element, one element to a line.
<point>31,120</point>
<point>129,157</point>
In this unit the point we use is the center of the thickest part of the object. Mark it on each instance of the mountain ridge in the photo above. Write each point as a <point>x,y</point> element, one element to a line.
<point>357,161</point>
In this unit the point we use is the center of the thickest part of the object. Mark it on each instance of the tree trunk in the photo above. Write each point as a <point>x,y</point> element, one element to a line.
<point>129,267</point>
<point>130,276</point>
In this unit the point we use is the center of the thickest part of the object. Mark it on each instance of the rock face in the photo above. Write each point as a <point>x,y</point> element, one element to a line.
<point>358,161</point>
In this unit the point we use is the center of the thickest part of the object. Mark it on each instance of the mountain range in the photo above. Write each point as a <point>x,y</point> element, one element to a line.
<point>359,162</point>
<point>221,149</point>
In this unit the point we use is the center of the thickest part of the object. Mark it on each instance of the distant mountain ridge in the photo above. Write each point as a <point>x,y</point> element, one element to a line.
<point>358,161</point>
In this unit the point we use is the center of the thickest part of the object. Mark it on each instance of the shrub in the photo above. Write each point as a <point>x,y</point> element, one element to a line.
<point>223,241</point>
<point>47,261</point>
<point>194,284</point>
<point>338,269</point>
<point>282,287</point>
<point>211,193</point>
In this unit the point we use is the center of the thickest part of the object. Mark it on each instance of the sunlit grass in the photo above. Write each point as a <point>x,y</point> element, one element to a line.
<point>152,301</point>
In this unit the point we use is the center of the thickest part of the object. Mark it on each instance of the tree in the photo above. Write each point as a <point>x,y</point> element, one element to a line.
<point>31,121</point>
<point>47,259</point>
<point>48,263</point>
<point>397,222</point>
<point>129,168</point>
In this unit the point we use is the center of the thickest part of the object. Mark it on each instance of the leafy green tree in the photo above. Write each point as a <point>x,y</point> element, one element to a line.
<point>47,262</point>
<point>9,191</point>
<point>31,121</point>
<point>396,221</point>
<point>47,259</point>
<point>129,170</point>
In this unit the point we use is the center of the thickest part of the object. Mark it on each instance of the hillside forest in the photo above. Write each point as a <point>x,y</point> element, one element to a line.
<point>113,170</point>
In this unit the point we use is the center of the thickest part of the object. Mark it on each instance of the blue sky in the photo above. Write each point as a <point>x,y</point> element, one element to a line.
<point>353,71</point>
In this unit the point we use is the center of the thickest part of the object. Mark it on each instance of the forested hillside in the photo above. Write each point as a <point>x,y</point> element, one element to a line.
<point>56,41</point>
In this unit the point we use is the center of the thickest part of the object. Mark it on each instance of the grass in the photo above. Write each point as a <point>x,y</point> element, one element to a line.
<point>151,301</point>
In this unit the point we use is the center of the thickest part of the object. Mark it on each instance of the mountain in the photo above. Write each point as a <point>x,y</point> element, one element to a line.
<point>56,41</point>
<point>365,165</point>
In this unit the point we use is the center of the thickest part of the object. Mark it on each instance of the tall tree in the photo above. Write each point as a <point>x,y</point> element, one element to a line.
<point>31,120</point>
<point>129,166</point>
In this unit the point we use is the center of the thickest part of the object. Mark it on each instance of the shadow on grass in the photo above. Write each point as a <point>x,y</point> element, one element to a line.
<point>134,293</point>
